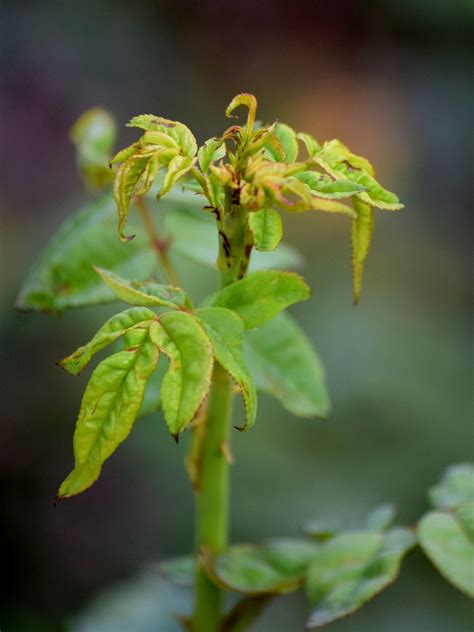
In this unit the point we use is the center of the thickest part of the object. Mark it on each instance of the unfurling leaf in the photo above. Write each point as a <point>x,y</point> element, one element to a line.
<point>141,293</point>
<point>110,405</point>
<point>187,380</point>
<point>164,143</point>
<point>260,296</point>
<point>212,151</point>
<point>226,329</point>
<point>93,135</point>
<point>117,326</point>
<point>266,228</point>
<point>250,102</point>
<point>352,568</point>
<point>284,365</point>
<point>361,235</point>
<point>286,150</point>
<point>277,566</point>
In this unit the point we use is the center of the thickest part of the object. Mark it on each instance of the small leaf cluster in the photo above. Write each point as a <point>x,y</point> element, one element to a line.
<point>190,339</point>
<point>340,568</point>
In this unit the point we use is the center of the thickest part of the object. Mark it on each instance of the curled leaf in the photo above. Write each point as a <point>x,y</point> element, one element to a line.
<point>361,235</point>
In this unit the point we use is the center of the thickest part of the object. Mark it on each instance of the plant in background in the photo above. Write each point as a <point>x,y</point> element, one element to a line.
<point>190,360</point>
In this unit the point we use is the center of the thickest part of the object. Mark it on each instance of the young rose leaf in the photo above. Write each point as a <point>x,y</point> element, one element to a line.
<point>194,236</point>
<point>324,186</point>
<point>284,364</point>
<point>178,132</point>
<point>260,296</point>
<point>361,236</point>
<point>147,294</point>
<point>287,148</point>
<point>212,151</point>
<point>93,135</point>
<point>352,568</point>
<point>448,540</point>
<point>266,228</point>
<point>455,488</point>
<point>250,102</point>
<point>126,180</point>
<point>277,566</point>
<point>187,379</point>
<point>177,168</point>
<point>110,405</point>
<point>341,163</point>
<point>117,326</point>
<point>309,142</point>
<point>226,329</point>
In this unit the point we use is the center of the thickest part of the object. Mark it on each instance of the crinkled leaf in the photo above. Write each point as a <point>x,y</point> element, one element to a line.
<point>266,228</point>
<point>110,405</point>
<point>212,151</point>
<point>287,148</point>
<point>341,163</point>
<point>455,488</point>
<point>118,325</point>
<point>361,235</point>
<point>126,180</point>
<point>187,380</point>
<point>260,296</point>
<point>247,100</point>
<point>177,168</point>
<point>226,329</point>
<point>284,364</point>
<point>325,186</point>
<point>140,293</point>
<point>352,568</point>
<point>93,135</point>
<point>278,566</point>
<point>448,540</point>
<point>178,132</point>
<point>194,236</point>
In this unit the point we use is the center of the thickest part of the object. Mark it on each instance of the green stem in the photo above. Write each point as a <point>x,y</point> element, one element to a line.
<point>212,500</point>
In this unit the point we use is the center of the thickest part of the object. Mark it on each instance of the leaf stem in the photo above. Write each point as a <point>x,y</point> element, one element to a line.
<point>160,246</point>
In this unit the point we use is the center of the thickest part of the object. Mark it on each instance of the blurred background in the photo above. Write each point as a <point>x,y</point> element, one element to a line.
<point>391,78</point>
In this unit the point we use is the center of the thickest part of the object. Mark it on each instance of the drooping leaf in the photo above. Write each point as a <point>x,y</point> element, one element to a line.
<point>352,568</point>
<point>341,163</point>
<point>250,102</point>
<point>178,132</point>
<point>145,294</point>
<point>194,236</point>
<point>284,365</point>
<point>177,168</point>
<point>455,488</point>
<point>126,181</point>
<point>187,380</point>
<point>93,135</point>
<point>267,229</point>
<point>212,151</point>
<point>226,329</point>
<point>448,540</point>
<point>110,405</point>
<point>117,326</point>
<point>278,566</point>
<point>361,235</point>
<point>260,296</point>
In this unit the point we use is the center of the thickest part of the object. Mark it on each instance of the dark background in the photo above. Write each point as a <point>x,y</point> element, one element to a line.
<point>391,79</point>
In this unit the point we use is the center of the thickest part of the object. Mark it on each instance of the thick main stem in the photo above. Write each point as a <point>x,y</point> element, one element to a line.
<point>212,441</point>
<point>212,500</point>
